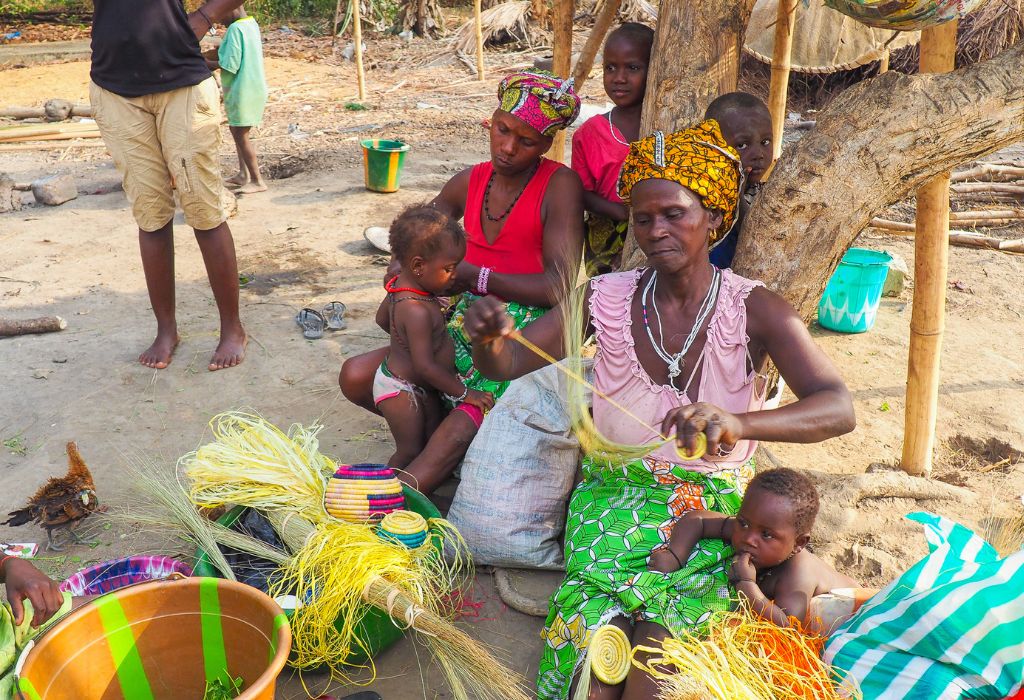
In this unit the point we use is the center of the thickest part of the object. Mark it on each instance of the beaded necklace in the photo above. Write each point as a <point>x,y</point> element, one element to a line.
<point>611,130</point>
<point>675,362</point>
<point>487,194</point>
<point>389,287</point>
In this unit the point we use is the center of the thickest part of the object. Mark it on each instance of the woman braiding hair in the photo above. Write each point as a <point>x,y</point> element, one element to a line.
<point>682,346</point>
<point>523,216</point>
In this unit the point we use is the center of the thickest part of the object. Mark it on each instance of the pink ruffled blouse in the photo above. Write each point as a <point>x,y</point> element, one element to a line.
<point>726,378</point>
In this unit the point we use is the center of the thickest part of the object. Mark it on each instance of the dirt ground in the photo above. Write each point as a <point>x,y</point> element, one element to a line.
<point>301,243</point>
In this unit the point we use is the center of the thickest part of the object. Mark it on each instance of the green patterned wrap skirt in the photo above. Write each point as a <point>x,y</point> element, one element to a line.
<point>618,515</point>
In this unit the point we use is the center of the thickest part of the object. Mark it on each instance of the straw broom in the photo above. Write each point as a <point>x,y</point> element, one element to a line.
<point>464,661</point>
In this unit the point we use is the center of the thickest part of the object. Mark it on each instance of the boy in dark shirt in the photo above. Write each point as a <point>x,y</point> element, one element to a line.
<point>158,109</point>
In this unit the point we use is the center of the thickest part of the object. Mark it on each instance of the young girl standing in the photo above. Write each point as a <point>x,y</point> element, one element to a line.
<point>419,369</point>
<point>600,146</point>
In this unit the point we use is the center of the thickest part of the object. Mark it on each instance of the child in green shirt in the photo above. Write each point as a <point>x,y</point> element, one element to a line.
<point>240,59</point>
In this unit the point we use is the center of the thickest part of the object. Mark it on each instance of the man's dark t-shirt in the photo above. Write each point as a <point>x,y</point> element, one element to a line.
<point>141,47</point>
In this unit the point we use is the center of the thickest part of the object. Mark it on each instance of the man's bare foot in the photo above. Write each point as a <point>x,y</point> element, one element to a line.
<point>252,188</point>
<point>230,351</point>
<point>158,355</point>
<point>236,180</point>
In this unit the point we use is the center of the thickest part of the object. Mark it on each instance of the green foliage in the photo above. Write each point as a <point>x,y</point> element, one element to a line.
<point>266,10</point>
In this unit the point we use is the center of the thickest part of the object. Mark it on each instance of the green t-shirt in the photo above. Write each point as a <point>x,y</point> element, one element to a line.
<point>241,73</point>
<point>14,638</point>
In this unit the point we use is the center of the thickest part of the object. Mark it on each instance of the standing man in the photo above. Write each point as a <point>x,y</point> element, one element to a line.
<point>158,109</point>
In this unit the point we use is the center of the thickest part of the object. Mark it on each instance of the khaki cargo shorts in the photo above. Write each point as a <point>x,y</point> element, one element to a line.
<point>164,142</point>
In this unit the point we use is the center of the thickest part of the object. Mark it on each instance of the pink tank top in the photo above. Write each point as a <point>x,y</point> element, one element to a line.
<point>519,247</point>
<point>726,380</point>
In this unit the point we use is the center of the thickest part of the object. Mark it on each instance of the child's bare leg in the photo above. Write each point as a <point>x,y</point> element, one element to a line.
<point>433,413</point>
<point>356,378</point>
<point>640,685</point>
<point>241,177</point>
<point>247,155</point>
<point>598,690</point>
<point>218,250</point>
<point>443,452</point>
<point>406,419</point>
<point>157,248</point>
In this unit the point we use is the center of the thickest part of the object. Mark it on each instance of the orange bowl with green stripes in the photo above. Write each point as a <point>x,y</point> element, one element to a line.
<point>162,640</point>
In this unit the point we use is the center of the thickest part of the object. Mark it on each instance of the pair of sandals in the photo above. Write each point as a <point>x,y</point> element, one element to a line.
<point>313,322</point>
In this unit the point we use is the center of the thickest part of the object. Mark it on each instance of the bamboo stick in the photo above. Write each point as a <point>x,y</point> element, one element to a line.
<point>887,225</point>
<point>968,239</point>
<point>357,34</point>
<point>931,264</point>
<point>478,27</point>
<point>562,60</point>
<point>988,187</point>
<point>883,63</point>
<point>53,137</point>
<point>585,63</point>
<point>337,21</point>
<point>46,146</point>
<point>781,62</point>
<point>990,172</point>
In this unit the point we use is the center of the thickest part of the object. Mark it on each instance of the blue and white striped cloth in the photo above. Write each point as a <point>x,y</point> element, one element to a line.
<point>950,627</point>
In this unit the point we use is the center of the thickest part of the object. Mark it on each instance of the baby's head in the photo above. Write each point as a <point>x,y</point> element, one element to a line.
<point>746,126</point>
<point>429,245</point>
<point>627,52</point>
<point>776,517</point>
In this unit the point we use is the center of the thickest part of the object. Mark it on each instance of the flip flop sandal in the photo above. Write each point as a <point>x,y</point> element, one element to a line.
<point>334,312</point>
<point>312,323</point>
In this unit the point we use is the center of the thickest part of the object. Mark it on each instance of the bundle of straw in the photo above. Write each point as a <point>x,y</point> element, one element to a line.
<point>592,441</point>
<point>331,568</point>
<point>253,463</point>
<point>340,569</point>
<point>470,669</point>
<point>743,657</point>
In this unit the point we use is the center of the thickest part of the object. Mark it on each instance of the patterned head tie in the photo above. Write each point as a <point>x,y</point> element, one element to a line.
<point>540,99</point>
<point>698,158</point>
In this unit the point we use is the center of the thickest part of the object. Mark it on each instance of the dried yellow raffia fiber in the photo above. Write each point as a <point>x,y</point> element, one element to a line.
<point>253,463</point>
<point>592,441</point>
<point>340,569</point>
<point>743,657</point>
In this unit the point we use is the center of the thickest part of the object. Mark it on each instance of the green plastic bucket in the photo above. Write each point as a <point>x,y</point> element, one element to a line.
<point>377,631</point>
<point>850,302</point>
<point>382,163</point>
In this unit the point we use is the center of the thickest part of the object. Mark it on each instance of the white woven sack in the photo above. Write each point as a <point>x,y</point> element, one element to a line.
<point>517,475</point>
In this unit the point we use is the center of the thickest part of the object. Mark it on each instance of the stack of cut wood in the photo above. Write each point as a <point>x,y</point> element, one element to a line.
<point>1000,184</point>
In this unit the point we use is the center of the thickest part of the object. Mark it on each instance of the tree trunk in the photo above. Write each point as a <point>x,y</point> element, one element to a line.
<point>696,58</point>
<point>874,145</point>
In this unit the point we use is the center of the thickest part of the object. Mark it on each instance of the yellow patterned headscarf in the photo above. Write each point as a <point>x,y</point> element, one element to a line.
<point>697,158</point>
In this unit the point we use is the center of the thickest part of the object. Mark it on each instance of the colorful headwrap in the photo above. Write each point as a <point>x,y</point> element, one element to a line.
<point>542,100</point>
<point>698,158</point>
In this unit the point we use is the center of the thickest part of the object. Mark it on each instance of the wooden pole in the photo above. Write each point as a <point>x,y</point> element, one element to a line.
<point>562,61</point>
<point>781,63</point>
<point>478,26</point>
<point>337,20</point>
<point>357,36</point>
<point>585,62</point>
<point>883,63</point>
<point>931,263</point>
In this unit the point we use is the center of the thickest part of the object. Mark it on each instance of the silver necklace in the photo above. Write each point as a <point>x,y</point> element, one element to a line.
<point>611,129</point>
<point>675,362</point>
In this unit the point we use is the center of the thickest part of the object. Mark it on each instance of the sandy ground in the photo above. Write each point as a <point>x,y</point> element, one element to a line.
<point>302,244</point>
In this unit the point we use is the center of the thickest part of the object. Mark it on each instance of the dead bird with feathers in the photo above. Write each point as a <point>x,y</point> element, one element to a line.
<point>61,503</point>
